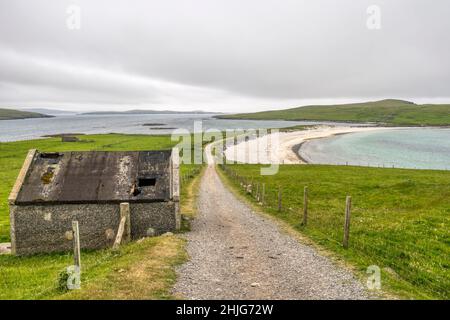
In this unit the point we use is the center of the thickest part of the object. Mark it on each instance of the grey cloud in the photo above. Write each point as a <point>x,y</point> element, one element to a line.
<point>231,55</point>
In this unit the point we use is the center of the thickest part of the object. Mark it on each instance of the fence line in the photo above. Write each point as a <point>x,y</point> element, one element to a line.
<point>248,185</point>
<point>259,192</point>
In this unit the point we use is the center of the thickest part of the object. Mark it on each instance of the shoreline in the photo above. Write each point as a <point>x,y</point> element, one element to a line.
<point>296,148</point>
<point>283,147</point>
<point>290,145</point>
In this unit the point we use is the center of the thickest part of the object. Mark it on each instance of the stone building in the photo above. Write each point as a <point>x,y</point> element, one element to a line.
<point>54,189</point>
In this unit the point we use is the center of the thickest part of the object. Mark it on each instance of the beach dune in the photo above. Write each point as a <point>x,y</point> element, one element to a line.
<point>282,147</point>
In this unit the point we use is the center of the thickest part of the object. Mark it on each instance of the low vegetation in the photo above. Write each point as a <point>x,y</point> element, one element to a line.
<point>387,112</point>
<point>10,114</point>
<point>12,155</point>
<point>190,180</point>
<point>139,270</point>
<point>400,219</point>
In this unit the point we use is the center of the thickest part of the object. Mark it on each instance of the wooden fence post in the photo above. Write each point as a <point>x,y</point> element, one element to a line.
<point>348,209</point>
<point>120,230</point>
<point>263,194</point>
<point>76,244</point>
<point>125,211</point>
<point>257,192</point>
<point>305,206</point>
<point>279,198</point>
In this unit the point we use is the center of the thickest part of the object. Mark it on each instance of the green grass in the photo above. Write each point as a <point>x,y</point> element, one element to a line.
<point>189,173</point>
<point>149,265</point>
<point>10,114</point>
<point>389,112</point>
<point>12,155</point>
<point>296,128</point>
<point>400,219</point>
<point>139,270</point>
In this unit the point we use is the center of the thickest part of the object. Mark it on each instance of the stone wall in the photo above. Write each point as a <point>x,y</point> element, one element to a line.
<point>47,228</point>
<point>160,216</point>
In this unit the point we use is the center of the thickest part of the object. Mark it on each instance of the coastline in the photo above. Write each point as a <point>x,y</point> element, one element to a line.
<point>283,147</point>
<point>296,148</point>
<point>26,118</point>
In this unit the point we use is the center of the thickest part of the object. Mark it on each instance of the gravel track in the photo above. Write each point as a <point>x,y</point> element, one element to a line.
<point>236,253</point>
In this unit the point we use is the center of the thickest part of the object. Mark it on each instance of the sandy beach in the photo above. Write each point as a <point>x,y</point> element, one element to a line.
<point>280,148</point>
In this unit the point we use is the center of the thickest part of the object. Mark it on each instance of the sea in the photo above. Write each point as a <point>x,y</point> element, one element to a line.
<point>419,148</point>
<point>416,148</point>
<point>27,129</point>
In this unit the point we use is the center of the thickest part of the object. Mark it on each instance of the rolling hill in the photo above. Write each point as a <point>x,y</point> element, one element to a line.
<point>388,112</point>
<point>51,112</point>
<point>11,114</point>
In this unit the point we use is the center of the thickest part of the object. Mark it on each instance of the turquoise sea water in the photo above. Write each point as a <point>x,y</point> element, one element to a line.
<point>421,148</point>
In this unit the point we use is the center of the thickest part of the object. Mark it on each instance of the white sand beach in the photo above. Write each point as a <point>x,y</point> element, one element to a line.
<point>277,148</point>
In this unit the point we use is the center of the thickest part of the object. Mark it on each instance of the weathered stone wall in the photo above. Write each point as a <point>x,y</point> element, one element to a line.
<point>159,215</point>
<point>47,228</point>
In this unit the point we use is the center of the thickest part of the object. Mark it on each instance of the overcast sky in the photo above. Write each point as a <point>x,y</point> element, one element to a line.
<point>221,55</point>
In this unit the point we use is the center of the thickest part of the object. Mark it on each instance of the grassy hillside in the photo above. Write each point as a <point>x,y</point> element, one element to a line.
<point>143,270</point>
<point>10,114</point>
<point>12,155</point>
<point>390,112</point>
<point>400,219</point>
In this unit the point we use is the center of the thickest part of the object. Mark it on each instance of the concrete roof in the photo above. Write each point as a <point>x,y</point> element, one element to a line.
<point>97,176</point>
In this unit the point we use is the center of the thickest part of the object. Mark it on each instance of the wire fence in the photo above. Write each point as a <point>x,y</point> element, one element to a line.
<point>188,174</point>
<point>327,226</point>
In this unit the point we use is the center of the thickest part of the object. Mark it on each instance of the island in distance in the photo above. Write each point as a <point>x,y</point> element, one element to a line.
<point>14,114</point>
<point>11,114</point>
<point>138,111</point>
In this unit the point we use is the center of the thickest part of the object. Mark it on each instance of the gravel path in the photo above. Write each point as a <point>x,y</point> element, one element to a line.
<point>238,254</point>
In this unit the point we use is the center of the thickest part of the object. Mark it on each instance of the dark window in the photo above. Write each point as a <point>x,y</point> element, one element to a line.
<point>146,182</point>
<point>135,191</point>
<point>50,155</point>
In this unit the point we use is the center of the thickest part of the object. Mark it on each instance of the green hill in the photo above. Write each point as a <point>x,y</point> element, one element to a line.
<point>390,112</point>
<point>10,114</point>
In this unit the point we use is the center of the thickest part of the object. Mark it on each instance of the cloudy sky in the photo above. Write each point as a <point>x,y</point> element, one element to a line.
<point>221,55</point>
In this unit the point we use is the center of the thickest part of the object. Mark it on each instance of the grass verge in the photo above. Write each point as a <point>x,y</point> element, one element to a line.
<point>400,220</point>
<point>139,270</point>
<point>189,194</point>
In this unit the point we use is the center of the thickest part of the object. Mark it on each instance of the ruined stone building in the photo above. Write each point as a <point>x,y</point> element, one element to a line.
<point>54,189</point>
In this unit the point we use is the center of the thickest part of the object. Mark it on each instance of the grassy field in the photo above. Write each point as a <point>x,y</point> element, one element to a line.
<point>10,114</point>
<point>139,270</point>
<point>12,155</point>
<point>400,219</point>
<point>143,270</point>
<point>389,112</point>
